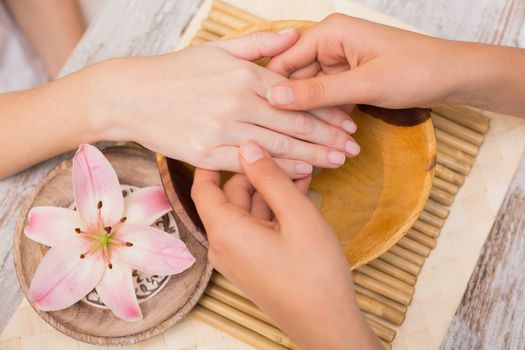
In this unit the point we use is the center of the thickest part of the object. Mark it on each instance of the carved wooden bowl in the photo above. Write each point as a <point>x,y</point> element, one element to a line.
<point>375,197</point>
<point>163,301</point>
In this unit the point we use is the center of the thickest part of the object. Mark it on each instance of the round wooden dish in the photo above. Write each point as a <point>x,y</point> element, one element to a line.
<point>375,197</point>
<point>136,167</point>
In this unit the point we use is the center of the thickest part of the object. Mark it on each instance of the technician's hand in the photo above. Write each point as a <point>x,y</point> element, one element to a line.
<point>346,60</point>
<point>292,267</point>
<point>199,104</point>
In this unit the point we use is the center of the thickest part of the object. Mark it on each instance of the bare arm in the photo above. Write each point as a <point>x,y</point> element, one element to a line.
<point>177,104</point>
<point>346,60</point>
<point>53,28</point>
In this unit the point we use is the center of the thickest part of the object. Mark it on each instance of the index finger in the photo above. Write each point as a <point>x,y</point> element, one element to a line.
<point>302,54</point>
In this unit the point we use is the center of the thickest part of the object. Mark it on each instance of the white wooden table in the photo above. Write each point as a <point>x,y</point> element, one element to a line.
<point>135,27</point>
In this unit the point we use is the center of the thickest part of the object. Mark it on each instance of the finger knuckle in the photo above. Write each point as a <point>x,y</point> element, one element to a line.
<point>247,74</point>
<point>338,137</point>
<point>314,89</point>
<point>280,145</point>
<point>200,151</point>
<point>303,123</point>
<point>333,116</point>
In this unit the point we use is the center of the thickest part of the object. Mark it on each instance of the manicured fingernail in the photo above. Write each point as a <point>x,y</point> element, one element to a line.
<point>251,152</point>
<point>286,31</point>
<point>280,95</point>
<point>336,158</point>
<point>349,126</point>
<point>352,148</point>
<point>304,168</point>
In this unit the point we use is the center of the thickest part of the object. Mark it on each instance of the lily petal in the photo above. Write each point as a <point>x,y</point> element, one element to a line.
<point>94,181</point>
<point>117,291</point>
<point>50,225</point>
<point>63,278</point>
<point>146,205</point>
<point>154,251</point>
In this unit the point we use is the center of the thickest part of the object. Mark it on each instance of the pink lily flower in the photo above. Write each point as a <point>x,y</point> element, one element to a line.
<point>100,244</point>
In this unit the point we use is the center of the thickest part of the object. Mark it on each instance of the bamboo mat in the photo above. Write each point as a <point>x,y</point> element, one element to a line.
<point>412,315</point>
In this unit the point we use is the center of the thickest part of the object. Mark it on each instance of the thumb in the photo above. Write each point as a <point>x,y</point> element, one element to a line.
<point>349,87</point>
<point>257,45</point>
<point>281,194</point>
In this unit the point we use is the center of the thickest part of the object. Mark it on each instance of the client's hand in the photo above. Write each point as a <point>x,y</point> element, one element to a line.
<point>199,104</point>
<point>292,267</point>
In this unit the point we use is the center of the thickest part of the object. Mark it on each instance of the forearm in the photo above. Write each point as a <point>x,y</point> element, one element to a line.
<point>47,121</point>
<point>53,28</point>
<point>489,77</point>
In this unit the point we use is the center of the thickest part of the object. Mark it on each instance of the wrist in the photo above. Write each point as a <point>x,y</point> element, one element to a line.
<point>103,119</point>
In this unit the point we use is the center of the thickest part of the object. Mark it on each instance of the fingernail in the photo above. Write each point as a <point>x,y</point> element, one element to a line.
<point>286,31</point>
<point>251,152</point>
<point>304,168</point>
<point>336,158</point>
<point>352,148</point>
<point>349,126</point>
<point>280,95</point>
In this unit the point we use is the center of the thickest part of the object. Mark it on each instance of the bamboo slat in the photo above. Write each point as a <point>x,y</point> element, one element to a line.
<point>374,285</point>
<point>224,7</point>
<point>442,172</point>
<point>236,301</point>
<point>367,304</point>
<point>421,238</point>
<point>385,278</point>
<point>393,271</point>
<point>437,209</point>
<point>401,263</point>
<point>387,334</point>
<point>431,219</point>
<point>464,116</point>
<point>414,246</point>
<point>460,156</point>
<point>247,321</point>
<point>452,163</point>
<point>457,130</point>
<point>382,299</point>
<point>225,324</point>
<point>426,228</point>
<point>454,141</point>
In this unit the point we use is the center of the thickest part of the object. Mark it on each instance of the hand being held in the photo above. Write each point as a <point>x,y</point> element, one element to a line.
<point>346,60</point>
<point>292,267</point>
<point>199,104</point>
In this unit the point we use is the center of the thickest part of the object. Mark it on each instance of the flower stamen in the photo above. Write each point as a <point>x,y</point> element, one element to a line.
<point>117,226</point>
<point>99,208</point>
<point>120,243</point>
<point>94,247</point>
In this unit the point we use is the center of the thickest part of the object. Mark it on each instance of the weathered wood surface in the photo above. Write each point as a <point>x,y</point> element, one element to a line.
<point>491,313</point>
<point>488,21</point>
<point>147,27</point>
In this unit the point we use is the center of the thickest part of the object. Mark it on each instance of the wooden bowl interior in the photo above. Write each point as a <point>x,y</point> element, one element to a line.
<point>375,197</point>
<point>94,325</point>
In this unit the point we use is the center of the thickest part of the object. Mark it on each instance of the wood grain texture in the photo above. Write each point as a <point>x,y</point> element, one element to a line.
<point>491,313</point>
<point>135,167</point>
<point>488,21</point>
